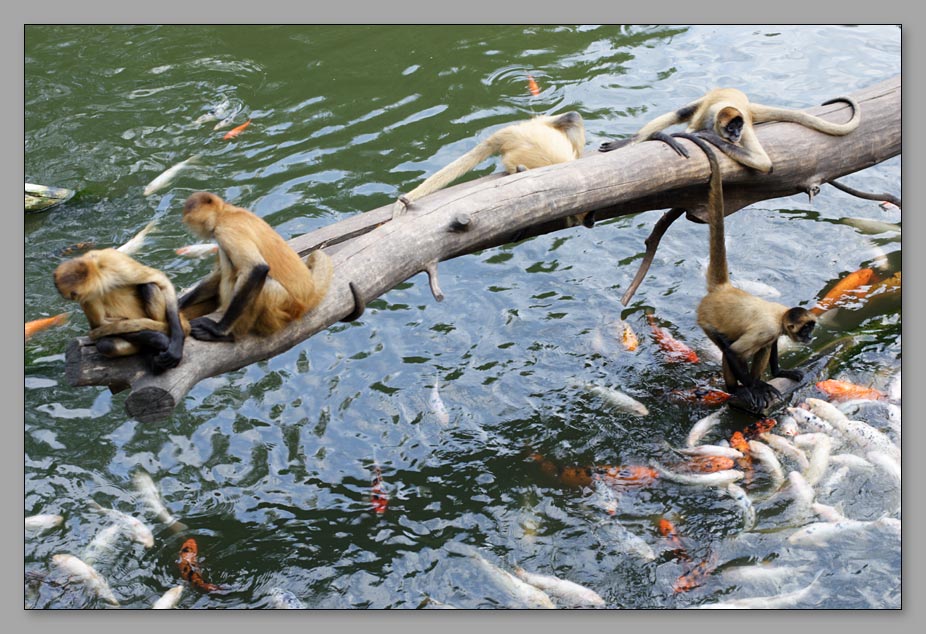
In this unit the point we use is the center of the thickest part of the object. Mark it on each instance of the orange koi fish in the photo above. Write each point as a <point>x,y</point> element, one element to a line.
<point>759,427</point>
<point>700,395</point>
<point>694,576</point>
<point>846,288</point>
<point>628,337</point>
<point>189,567</point>
<point>377,494</point>
<point>74,248</point>
<point>667,530</point>
<point>844,390</point>
<point>738,442</point>
<point>38,325</point>
<point>532,86</point>
<point>675,349</point>
<point>886,286</point>
<point>709,464</point>
<point>231,134</point>
<point>630,475</point>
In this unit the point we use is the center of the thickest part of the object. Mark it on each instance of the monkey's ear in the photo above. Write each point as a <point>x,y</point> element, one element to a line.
<point>726,115</point>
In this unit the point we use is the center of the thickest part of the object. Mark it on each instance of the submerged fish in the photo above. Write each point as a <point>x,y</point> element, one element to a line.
<point>871,227</point>
<point>894,387</point>
<point>148,491</point>
<point>820,445</point>
<point>859,433</point>
<point>166,177</point>
<point>231,134</point>
<point>526,594</point>
<point>38,325</point>
<point>675,350</point>
<point>762,572</point>
<point>198,250</point>
<point>137,240</point>
<point>718,478</point>
<point>281,599</point>
<point>618,400</point>
<point>628,337</point>
<point>532,86</point>
<point>573,594</point>
<point>742,500</point>
<point>378,496</point>
<point>700,395</point>
<point>436,403</point>
<point>42,522</point>
<point>851,286</point>
<point>754,287</point>
<point>820,533</point>
<point>169,600</point>
<point>102,542</point>
<point>189,567</point>
<point>712,450</point>
<point>788,600</point>
<point>700,429</point>
<point>695,575</point>
<point>786,448</point>
<point>764,454</point>
<point>137,529</point>
<point>78,570</point>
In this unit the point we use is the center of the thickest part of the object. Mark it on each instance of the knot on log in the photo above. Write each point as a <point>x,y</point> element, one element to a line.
<point>460,223</point>
<point>150,404</point>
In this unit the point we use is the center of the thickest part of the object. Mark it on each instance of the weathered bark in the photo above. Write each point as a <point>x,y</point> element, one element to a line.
<point>373,254</point>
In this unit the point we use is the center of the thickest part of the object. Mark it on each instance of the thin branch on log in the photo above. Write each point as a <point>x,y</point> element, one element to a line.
<point>371,254</point>
<point>866,195</point>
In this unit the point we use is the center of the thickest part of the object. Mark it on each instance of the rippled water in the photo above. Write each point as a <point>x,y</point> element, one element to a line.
<point>270,466</point>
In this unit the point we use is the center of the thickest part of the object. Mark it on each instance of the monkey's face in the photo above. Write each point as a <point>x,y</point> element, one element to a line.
<point>70,276</point>
<point>799,324</point>
<point>199,212</point>
<point>730,124</point>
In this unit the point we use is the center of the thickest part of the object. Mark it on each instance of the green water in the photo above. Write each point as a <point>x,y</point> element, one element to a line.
<point>270,466</point>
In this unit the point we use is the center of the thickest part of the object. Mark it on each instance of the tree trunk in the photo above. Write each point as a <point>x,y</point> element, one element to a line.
<point>373,254</point>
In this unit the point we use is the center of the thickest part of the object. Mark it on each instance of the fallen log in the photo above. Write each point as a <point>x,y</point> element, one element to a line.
<point>372,254</point>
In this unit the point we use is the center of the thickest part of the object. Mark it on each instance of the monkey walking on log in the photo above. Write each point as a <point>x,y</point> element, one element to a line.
<point>259,283</point>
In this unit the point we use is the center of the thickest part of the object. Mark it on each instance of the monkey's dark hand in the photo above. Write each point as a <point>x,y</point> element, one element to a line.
<point>168,359</point>
<point>608,146</point>
<point>794,375</point>
<point>206,329</point>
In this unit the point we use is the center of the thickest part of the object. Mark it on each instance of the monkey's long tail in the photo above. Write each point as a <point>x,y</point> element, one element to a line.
<point>717,272</point>
<point>767,113</point>
<point>456,169</point>
<point>322,270</point>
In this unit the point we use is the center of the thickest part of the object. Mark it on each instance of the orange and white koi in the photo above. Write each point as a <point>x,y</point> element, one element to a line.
<point>675,350</point>
<point>738,441</point>
<point>231,134</point>
<point>851,286</point>
<point>189,567</point>
<point>759,427</point>
<point>628,337</point>
<point>378,496</point>
<point>532,86</point>
<point>700,395</point>
<point>38,325</point>
<point>845,390</point>
<point>709,464</point>
<point>625,476</point>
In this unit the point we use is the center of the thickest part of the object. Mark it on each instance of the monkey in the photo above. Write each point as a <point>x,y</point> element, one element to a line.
<point>543,140</point>
<point>725,117</point>
<point>745,327</point>
<point>131,308</point>
<point>259,283</point>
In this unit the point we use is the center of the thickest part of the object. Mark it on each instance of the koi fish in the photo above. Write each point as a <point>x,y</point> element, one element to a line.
<point>857,432</point>
<point>170,599</point>
<point>189,567</point>
<point>700,429</point>
<point>809,420</point>
<point>886,204</point>
<point>780,601</point>
<point>764,454</point>
<point>749,511</point>
<point>138,530</point>
<point>712,450</point>
<point>718,478</point>
<point>231,134</point>
<point>618,400</point>
<point>846,288</point>
<point>281,599</point>
<point>820,533</point>
<point>567,591</point>
<point>695,576</point>
<point>137,240</point>
<point>675,350</point>
<point>709,464</point>
<point>377,495</point>
<point>786,448</point>
<point>787,426</point>
<point>525,593</point>
<point>700,395</point>
<point>101,543</point>
<point>873,227</point>
<point>738,442</point>
<point>820,456</point>
<point>38,325</point>
<point>844,390</point>
<point>889,285</point>
<point>166,177</point>
<point>758,428</point>
<point>532,86</point>
<point>631,475</point>
<point>437,404</point>
<point>149,494</point>
<point>42,522</point>
<point>78,570</point>
<point>198,250</point>
<point>667,530</point>
<point>577,477</point>
<point>78,246</point>
<point>628,337</point>
<point>894,387</point>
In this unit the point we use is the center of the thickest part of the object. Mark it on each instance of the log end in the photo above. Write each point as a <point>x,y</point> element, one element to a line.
<point>150,404</point>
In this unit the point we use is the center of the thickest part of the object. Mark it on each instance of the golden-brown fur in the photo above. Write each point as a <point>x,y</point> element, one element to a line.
<point>543,140</point>
<point>291,287</point>
<point>106,284</point>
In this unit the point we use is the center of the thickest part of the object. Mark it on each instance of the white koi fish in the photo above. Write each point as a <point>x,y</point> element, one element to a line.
<point>786,448</point>
<point>887,464</point>
<point>281,599</point>
<point>618,400</point>
<point>715,479</point>
<point>762,572</point>
<point>787,426</point>
<point>820,533</point>
<point>133,245</point>
<point>858,433</point>
<point>850,460</point>
<point>766,456</point>
<point>788,600</point>
<point>700,429</point>
<point>148,491</point>
<point>893,388</point>
<point>827,512</point>
<point>832,483</point>
<point>42,522</point>
<point>742,500</point>
<point>169,600</point>
<point>137,529</point>
<point>811,422</point>
<point>526,594</point>
<point>800,490</point>
<point>436,403</point>
<point>712,450</point>
<point>102,542</point>
<point>571,593</point>
<point>77,570</point>
<point>198,250</point>
<point>821,446</point>
<point>167,176</point>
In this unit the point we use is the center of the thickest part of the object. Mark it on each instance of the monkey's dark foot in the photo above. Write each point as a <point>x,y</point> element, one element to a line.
<point>757,398</point>
<point>589,220</point>
<point>168,359</point>
<point>359,304</point>
<point>520,168</point>
<point>671,142</point>
<point>608,146</point>
<point>794,375</point>
<point>205,329</point>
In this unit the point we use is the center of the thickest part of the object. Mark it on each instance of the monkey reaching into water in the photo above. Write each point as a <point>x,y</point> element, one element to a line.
<point>725,117</point>
<point>543,140</point>
<point>259,283</point>
<point>131,308</point>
